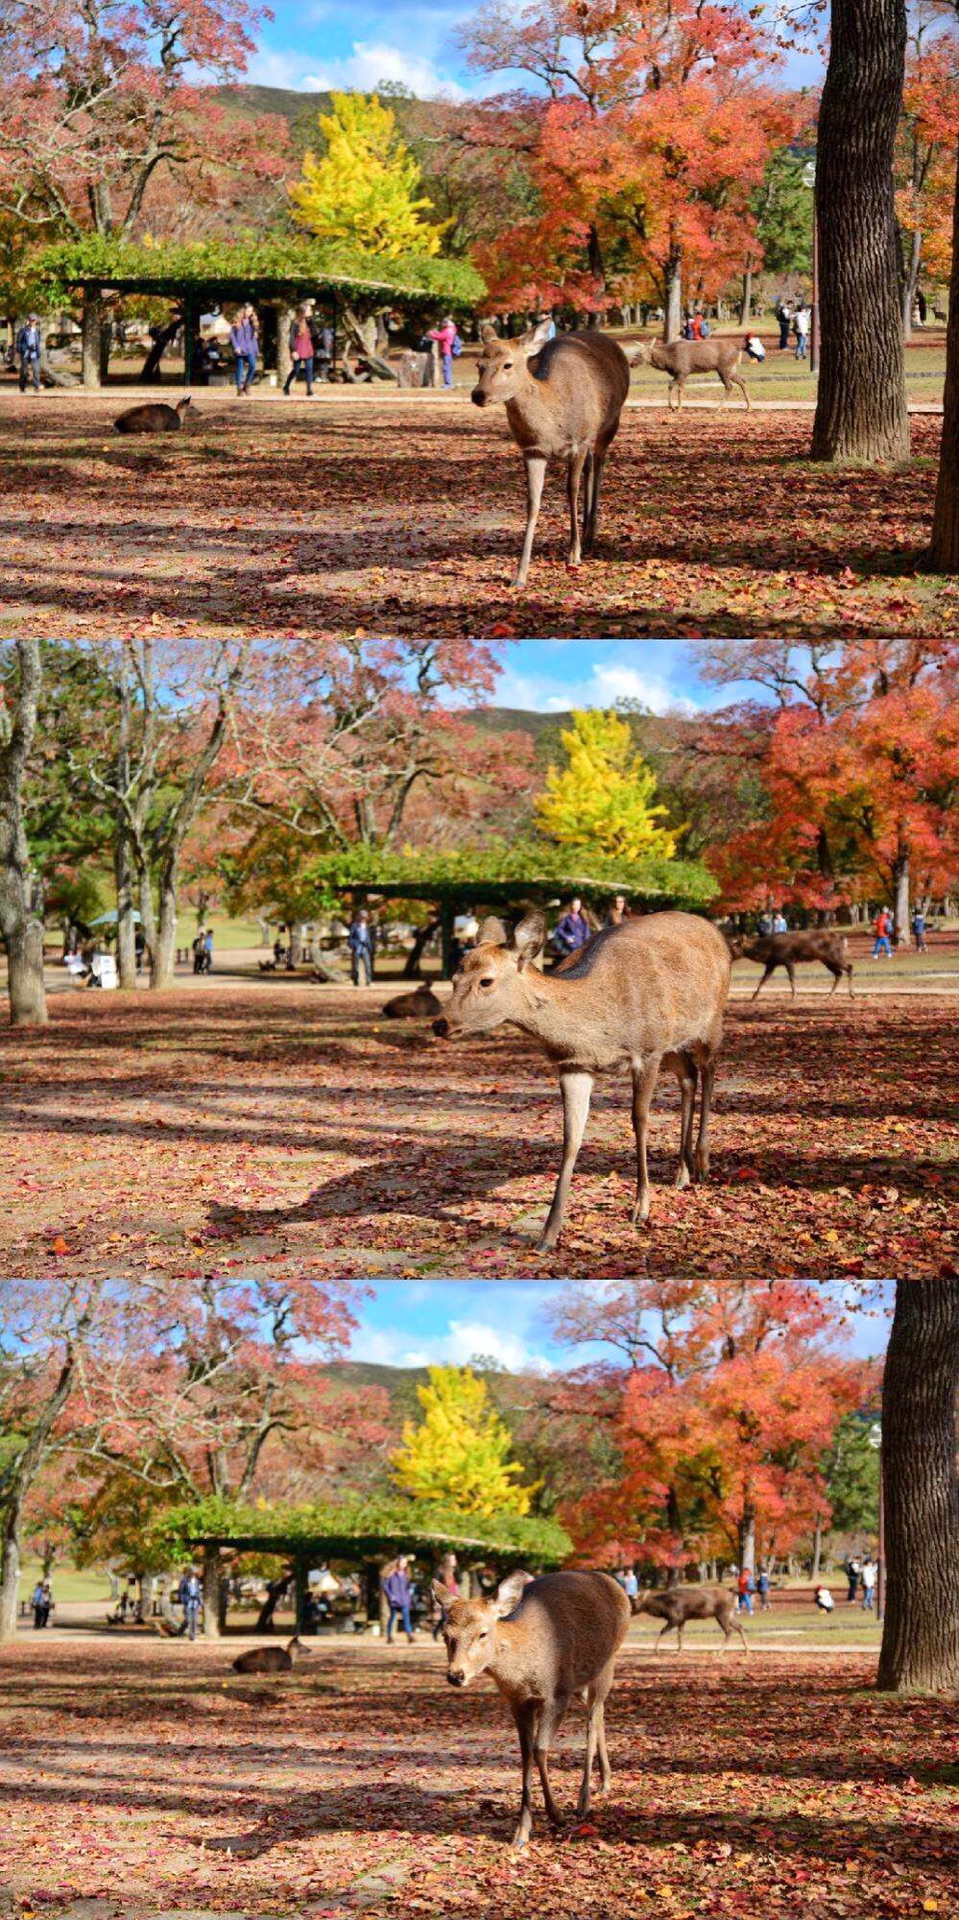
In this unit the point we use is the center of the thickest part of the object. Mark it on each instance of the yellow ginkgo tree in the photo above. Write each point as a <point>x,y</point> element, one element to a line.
<point>603,800</point>
<point>364,188</point>
<point>459,1455</point>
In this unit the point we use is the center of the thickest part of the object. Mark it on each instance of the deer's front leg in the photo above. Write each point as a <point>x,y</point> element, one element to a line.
<point>644,1080</point>
<point>535,476</point>
<point>576,1089</point>
<point>574,476</point>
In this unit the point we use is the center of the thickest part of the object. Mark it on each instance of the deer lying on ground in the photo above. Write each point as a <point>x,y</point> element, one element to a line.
<point>542,1641</point>
<point>563,401</point>
<point>676,1605</point>
<point>272,1659</point>
<point>774,950</point>
<point>680,358</point>
<point>644,995</point>
<point>154,416</point>
<point>421,1004</point>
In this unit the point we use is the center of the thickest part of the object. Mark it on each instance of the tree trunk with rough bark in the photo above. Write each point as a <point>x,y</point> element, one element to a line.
<point>900,903</point>
<point>21,924</point>
<point>747,1542</point>
<point>817,1548</point>
<point>163,969</point>
<point>944,551</point>
<point>211,1591</point>
<point>920,1640</point>
<point>910,283</point>
<point>91,326</point>
<point>674,296</point>
<point>861,407</point>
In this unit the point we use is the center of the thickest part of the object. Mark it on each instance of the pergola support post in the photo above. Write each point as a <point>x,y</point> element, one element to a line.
<point>447,918</point>
<point>189,308</point>
<point>211,1590</point>
<point>301,1567</point>
<point>284,358</point>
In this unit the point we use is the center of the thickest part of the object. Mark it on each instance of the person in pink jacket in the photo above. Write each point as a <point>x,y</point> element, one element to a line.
<point>445,336</point>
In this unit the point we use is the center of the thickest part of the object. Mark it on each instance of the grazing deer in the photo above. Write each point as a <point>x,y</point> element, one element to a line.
<point>774,950</point>
<point>644,995</point>
<point>272,1659</point>
<point>421,1004</point>
<point>676,1605</point>
<point>154,416</point>
<point>542,1641</point>
<point>563,401</point>
<point>680,358</point>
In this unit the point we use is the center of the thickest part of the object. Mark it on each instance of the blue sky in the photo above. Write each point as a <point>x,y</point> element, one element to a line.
<point>437,1322</point>
<point>314,44</point>
<point>550,675</point>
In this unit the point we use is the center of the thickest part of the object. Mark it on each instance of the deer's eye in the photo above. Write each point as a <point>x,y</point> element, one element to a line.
<point>507,366</point>
<point>488,980</point>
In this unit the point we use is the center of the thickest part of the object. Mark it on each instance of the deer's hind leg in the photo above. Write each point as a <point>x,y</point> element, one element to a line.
<point>574,483</point>
<point>550,1718</point>
<point>594,475</point>
<point>707,1077</point>
<point>644,1080</point>
<point>596,1739</point>
<point>685,1069</point>
<point>730,1624</point>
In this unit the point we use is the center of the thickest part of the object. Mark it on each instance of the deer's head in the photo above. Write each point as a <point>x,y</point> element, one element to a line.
<point>470,1628</point>
<point>641,354</point>
<point>502,371</point>
<point>490,986</point>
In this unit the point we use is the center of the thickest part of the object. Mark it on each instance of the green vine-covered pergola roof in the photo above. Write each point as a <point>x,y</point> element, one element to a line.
<point>508,871</point>
<point>363,1530</point>
<point>271,267</point>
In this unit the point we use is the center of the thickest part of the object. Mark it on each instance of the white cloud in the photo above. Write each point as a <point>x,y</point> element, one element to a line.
<point>460,1342</point>
<point>369,63</point>
<point>612,680</point>
<point>608,681</point>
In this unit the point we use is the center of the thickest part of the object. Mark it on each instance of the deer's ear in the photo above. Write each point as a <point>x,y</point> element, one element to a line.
<point>492,932</point>
<point>441,1595</point>
<point>535,340</point>
<point>488,332</point>
<point>509,1593</point>
<point>529,937</point>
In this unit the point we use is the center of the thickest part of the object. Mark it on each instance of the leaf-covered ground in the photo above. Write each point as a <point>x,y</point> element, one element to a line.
<point>352,513</point>
<point>237,1127</point>
<point>147,1778</point>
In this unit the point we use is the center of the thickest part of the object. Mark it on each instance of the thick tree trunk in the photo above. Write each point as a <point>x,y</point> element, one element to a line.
<point>21,925</point>
<point>162,972</point>
<point>746,308</point>
<point>91,323</point>
<point>817,1548</point>
<point>861,407</point>
<point>944,551</point>
<point>747,1542</point>
<point>211,1592</point>
<point>674,296</point>
<point>910,283</point>
<point>920,1640</point>
<point>900,904</point>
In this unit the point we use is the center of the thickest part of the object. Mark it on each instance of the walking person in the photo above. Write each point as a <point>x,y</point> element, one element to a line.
<point>882,949</point>
<point>801,319</point>
<point>399,1595</point>
<point>37,1603</point>
<point>303,344</point>
<point>190,1596</point>
<point>618,912</point>
<point>198,950</point>
<point>763,1584</point>
<point>572,931</point>
<point>447,341</point>
<point>244,339</point>
<point>361,941</point>
<point>919,930</point>
<point>29,345</point>
<point>869,1571</point>
<point>745,1589</point>
<point>208,950</point>
<point>853,1570</point>
<point>784,314</point>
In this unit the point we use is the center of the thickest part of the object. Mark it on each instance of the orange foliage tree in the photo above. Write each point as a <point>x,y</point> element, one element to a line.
<point>926,157</point>
<point>730,1398</point>
<point>647,128</point>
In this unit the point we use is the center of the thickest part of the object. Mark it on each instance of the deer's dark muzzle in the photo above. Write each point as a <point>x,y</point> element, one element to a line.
<point>441,1028</point>
<point>457,1679</point>
<point>478,397</point>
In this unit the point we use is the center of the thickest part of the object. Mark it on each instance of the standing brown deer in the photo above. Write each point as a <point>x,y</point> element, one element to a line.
<point>154,416</point>
<point>644,995</point>
<point>774,950</point>
<point>542,1641</point>
<point>272,1659</point>
<point>563,401</point>
<point>680,358</point>
<point>676,1605</point>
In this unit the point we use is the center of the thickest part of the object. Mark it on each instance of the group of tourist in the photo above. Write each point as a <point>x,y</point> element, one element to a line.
<point>795,322</point>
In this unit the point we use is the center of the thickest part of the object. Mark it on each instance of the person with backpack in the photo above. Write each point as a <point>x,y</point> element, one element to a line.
<point>882,949</point>
<point>573,930</point>
<point>745,1587</point>
<point>763,1584</point>
<point>919,930</point>
<point>450,346</point>
<point>29,346</point>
